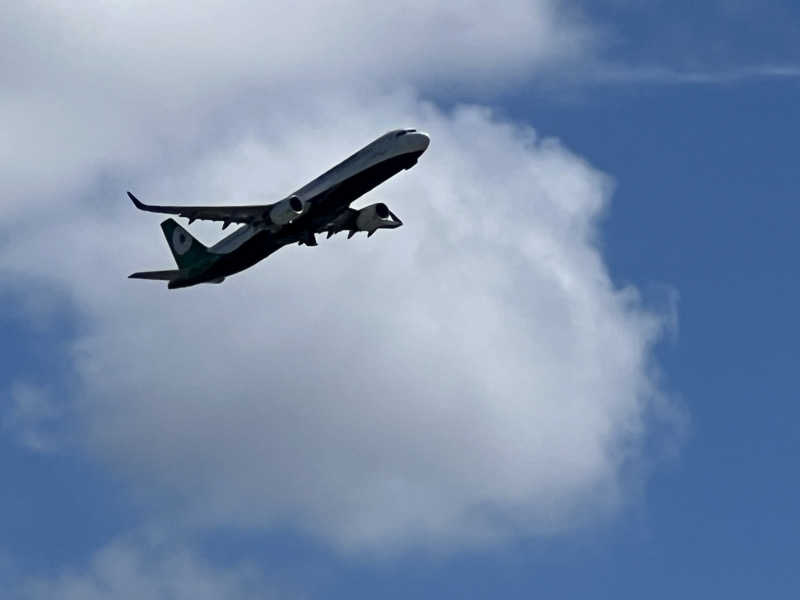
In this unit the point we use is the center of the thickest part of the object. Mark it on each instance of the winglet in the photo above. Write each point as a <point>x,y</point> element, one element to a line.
<point>136,202</point>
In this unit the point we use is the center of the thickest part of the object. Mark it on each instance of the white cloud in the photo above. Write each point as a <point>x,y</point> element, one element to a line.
<point>178,45</point>
<point>29,411</point>
<point>130,86</point>
<point>139,570</point>
<point>470,377</point>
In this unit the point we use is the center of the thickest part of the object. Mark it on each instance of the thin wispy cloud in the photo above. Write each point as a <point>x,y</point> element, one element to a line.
<point>657,75</point>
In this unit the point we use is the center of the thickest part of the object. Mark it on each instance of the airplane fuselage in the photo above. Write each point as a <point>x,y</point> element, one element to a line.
<point>332,191</point>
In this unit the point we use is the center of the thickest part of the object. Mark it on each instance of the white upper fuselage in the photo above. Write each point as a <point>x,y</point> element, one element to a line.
<point>390,145</point>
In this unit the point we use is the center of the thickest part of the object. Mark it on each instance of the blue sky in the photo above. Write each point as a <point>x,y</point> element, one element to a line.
<point>688,131</point>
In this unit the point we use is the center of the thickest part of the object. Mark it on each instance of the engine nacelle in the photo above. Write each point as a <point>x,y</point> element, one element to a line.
<point>376,216</point>
<point>286,210</point>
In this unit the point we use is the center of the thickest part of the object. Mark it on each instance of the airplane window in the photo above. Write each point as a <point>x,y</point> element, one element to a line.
<point>399,133</point>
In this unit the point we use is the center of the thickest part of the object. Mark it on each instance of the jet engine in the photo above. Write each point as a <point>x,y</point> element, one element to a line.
<point>369,219</point>
<point>376,216</point>
<point>286,210</point>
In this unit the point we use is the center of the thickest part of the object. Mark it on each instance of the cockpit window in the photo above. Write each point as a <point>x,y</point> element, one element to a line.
<point>405,131</point>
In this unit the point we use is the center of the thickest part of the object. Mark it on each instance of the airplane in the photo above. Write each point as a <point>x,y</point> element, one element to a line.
<point>321,206</point>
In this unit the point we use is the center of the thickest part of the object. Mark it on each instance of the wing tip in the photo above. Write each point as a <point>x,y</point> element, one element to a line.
<point>136,202</point>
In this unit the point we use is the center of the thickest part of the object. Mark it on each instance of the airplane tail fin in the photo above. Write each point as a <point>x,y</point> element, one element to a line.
<point>185,248</point>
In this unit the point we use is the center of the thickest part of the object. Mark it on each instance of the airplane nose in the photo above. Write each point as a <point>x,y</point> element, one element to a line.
<point>423,140</point>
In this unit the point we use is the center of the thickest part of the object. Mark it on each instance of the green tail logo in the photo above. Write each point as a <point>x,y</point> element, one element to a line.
<point>185,248</point>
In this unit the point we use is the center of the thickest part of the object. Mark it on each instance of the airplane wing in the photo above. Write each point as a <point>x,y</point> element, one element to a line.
<point>226,214</point>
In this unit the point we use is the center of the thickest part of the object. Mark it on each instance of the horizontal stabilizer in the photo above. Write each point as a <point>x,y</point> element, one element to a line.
<point>158,275</point>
